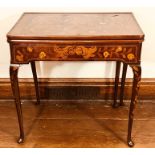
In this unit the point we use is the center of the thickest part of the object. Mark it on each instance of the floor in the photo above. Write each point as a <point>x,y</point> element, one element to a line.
<point>77,124</point>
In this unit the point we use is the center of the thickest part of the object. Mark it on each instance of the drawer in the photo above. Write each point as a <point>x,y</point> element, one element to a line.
<point>26,52</point>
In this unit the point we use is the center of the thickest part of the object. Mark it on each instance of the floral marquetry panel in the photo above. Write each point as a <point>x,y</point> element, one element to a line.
<point>27,52</point>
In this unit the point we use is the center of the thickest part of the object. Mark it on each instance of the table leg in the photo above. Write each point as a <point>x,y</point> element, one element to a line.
<point>33,67</point>
<point>123,83</point>
<point>136,79</point>
<point>16,94</point>
<point>118,63</point>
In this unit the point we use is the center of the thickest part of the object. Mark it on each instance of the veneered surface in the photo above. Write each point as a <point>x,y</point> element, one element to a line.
<point>76,26</point>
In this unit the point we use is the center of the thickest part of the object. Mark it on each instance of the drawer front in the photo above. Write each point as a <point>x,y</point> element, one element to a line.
<point>24,53</point>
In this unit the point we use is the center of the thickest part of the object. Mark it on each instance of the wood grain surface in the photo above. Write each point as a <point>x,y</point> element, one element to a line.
<point>76,25</point>
<point>78,124</point>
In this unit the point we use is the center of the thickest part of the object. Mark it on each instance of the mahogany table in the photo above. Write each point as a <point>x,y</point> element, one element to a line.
<point>76,37</point>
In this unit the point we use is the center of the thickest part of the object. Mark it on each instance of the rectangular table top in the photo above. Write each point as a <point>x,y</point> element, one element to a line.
<point>52,26</point>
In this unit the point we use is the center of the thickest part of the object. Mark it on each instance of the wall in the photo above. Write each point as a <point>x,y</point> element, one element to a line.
<point>144,15</point>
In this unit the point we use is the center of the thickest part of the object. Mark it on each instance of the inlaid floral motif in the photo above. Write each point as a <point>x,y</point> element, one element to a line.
<point>106,54</point>
<point>29,49</point>
<point>118,52</point>
<point>42,55</point>
<point>119,49</point>
<point>85,52</point>
<point>19,56</point>
<point>130,56</point>
<point>126,53</point>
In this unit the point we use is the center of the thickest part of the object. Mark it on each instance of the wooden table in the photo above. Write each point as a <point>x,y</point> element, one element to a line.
<point>76,37</point>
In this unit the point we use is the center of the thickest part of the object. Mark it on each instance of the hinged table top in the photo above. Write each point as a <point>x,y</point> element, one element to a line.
<point>76,26</point>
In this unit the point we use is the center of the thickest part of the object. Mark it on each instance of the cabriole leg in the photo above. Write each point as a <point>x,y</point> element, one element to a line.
<point>118,63</point>
<point>16,94</point>
<point>33,67</point>
<point>123,83</point>
<point>136,80</point>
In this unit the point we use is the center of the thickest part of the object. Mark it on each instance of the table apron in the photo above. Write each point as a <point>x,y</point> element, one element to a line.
<point>25,52</point>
